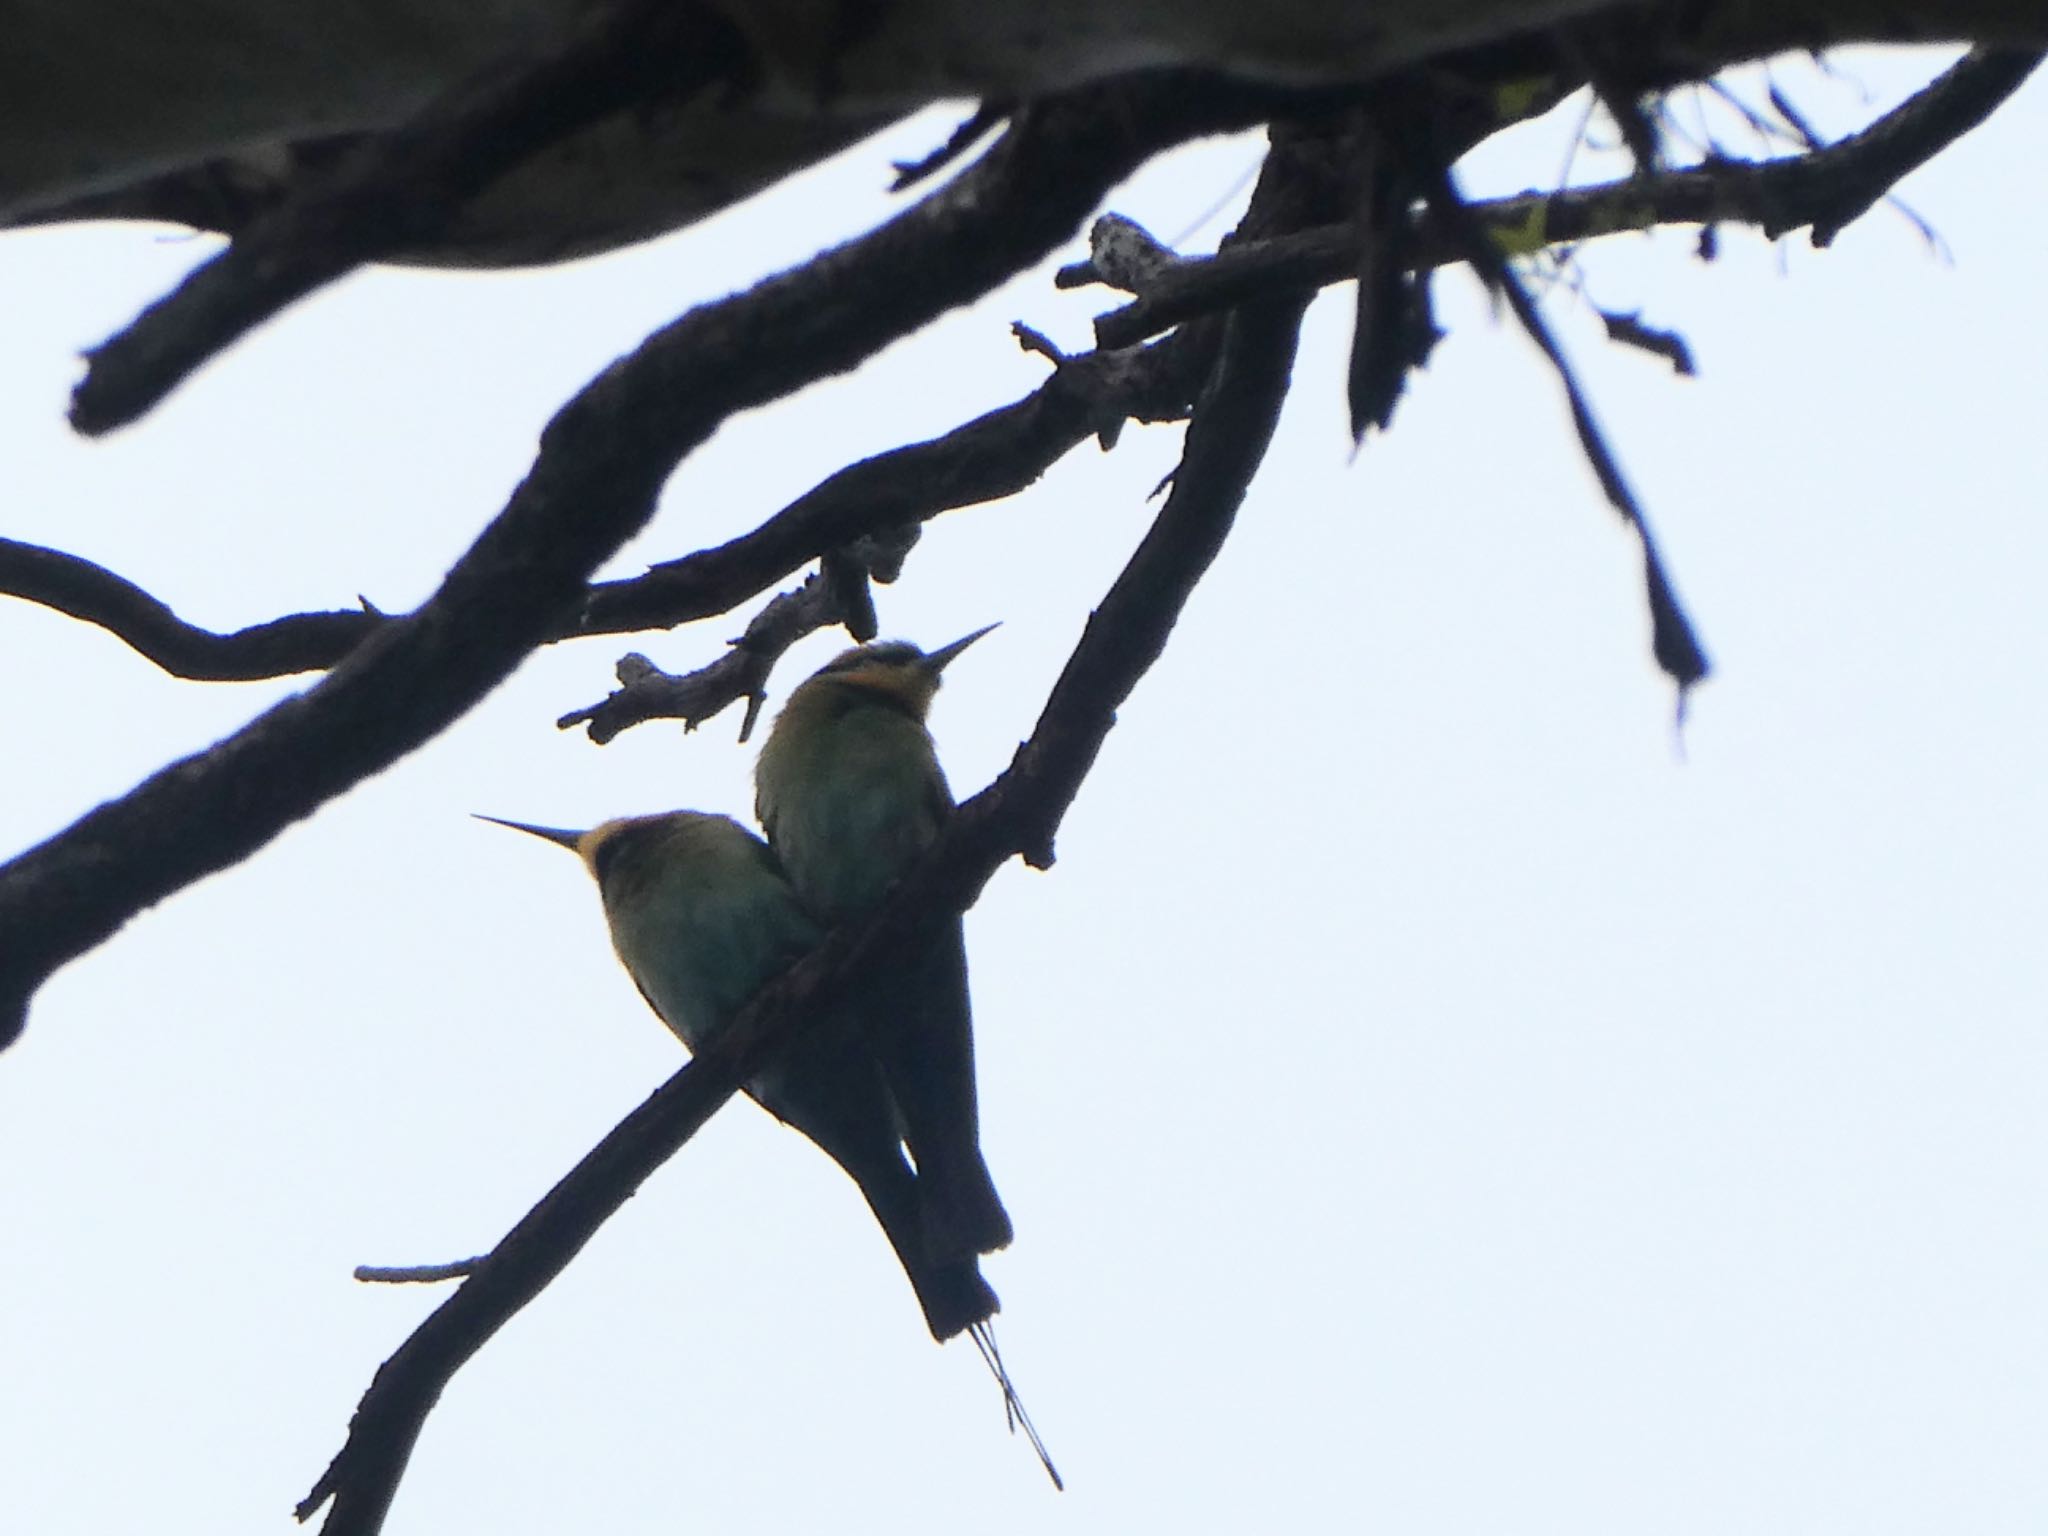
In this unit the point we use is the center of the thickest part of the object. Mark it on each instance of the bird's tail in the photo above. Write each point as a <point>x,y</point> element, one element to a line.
<point>962,1213</point>
<point>954,1295</point>
<point>955,1298</point>
<point>920,1024</point>
<point>832,1091</point>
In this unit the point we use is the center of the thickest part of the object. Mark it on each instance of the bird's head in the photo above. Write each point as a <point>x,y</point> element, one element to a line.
<point>895,670</point>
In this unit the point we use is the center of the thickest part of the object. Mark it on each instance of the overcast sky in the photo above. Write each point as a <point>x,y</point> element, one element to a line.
<point>1429,1099</point>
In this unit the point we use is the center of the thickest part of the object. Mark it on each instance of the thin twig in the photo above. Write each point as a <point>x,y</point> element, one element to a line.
<point>415,1274</point>
<point>301,642</point>
<point>985,120</point>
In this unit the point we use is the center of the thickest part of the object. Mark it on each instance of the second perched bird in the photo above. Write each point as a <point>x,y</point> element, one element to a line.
<point>850,792</point>
<point>702,918</point>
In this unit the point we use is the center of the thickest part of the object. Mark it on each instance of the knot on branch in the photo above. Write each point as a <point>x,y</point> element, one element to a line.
<point>1121,254</point>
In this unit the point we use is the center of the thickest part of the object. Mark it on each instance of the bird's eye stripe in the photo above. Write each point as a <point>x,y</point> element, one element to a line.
<point>605,858</point>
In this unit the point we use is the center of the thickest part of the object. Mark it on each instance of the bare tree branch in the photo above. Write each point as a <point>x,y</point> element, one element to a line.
<point>602,462</point>
<point>1003,452</point>
<point>635,173</point>
<point>993,456</point>
<point>302,642</point>
<point>399,189</point>
<point>415,1274</point>
<point>1874,161</point>
<point>102,92</point>
<point>150,116</point>
<point>1128,631</point>
<point>1826,189</point>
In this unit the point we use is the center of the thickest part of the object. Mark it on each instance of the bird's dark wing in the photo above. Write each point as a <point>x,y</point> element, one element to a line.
<point>920,1023</point>
<point>830,1087</point>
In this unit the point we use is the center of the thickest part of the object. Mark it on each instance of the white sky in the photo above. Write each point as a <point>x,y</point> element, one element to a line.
<point>1427,1104</point>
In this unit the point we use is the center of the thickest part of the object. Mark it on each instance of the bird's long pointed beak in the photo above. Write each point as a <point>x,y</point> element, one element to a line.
<point>561,836</point>
<point>935,661</point>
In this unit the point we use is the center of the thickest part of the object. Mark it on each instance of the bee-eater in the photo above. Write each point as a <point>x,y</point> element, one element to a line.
<point>702,918</point>
<point>850,792</point>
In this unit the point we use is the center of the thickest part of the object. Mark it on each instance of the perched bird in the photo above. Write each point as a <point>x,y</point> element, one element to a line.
<point>850,792</point>
<point>702,917</point>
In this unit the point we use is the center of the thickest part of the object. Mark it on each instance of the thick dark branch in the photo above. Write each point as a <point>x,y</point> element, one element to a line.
<point>1826,189</point>
<point>1232,428</point>
<point>304,642</point>
<point>993,456</point>
<point>399,189</point>
<point>1306,180</point>
<point>1691,40</point>
<point>642,171</point>
<point>602,462</point>
<point>1832,188</point>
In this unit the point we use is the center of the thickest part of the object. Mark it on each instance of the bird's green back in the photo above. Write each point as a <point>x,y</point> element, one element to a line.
<point>850,790</point>
<point>700,914</point>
